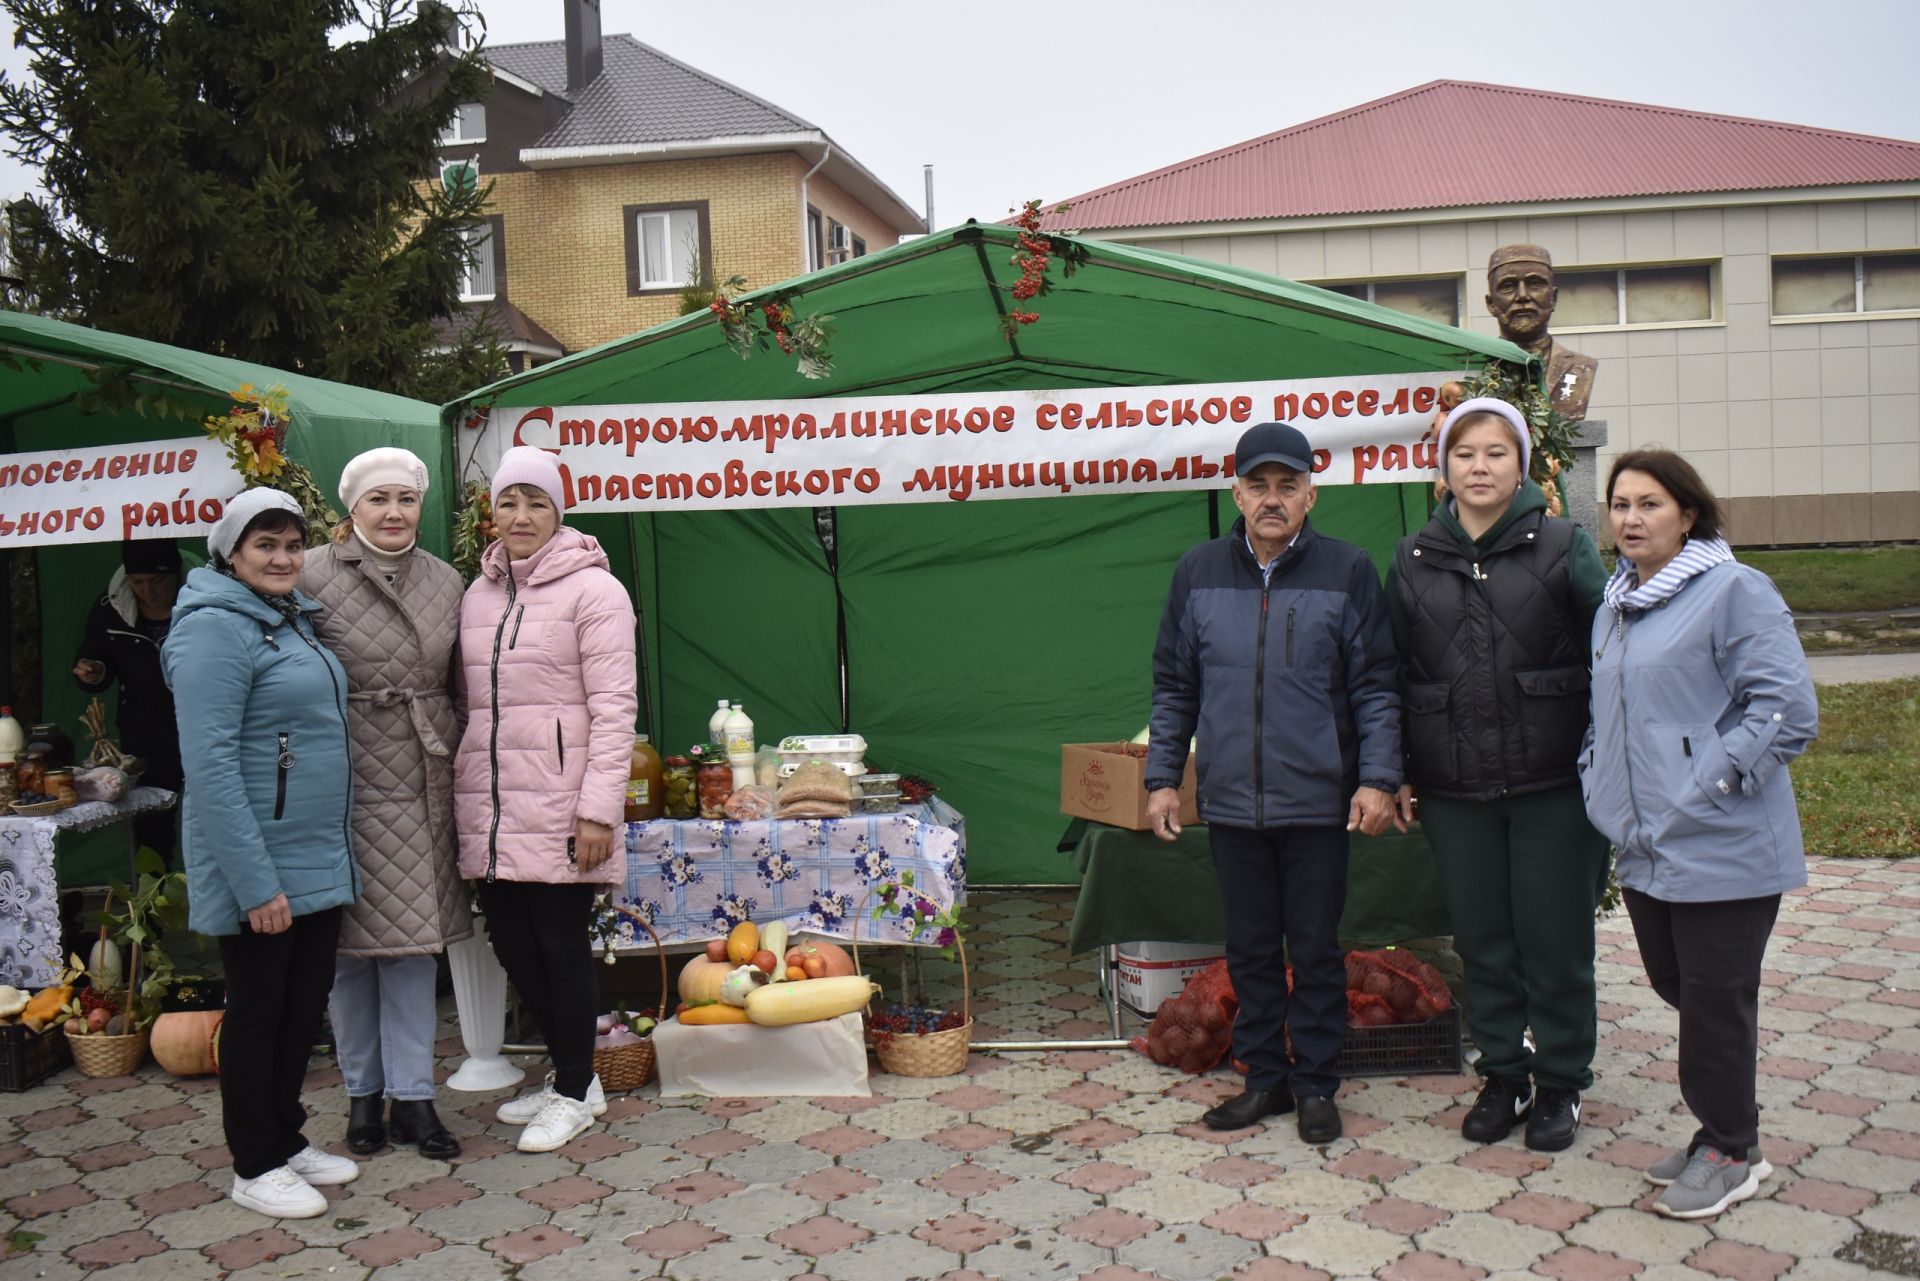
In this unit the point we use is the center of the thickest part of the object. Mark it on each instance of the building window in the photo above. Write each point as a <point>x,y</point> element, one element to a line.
<point>1615,296</point>
<point>469,124</point>
<point>1846,286</point>
<point>476,274</point>
<point>1435,300</point>
<point>859,247</point>
<point>667,246</point>
<point>816,239</point>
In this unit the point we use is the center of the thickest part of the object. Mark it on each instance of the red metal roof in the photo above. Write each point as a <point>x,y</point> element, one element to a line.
<point>1451,143</point>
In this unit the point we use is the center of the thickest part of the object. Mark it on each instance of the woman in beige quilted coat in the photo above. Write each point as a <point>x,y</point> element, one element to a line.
<point>391,613</point>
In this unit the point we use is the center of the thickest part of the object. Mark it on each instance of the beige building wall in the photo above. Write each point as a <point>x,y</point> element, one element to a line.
<point>1809,428</point>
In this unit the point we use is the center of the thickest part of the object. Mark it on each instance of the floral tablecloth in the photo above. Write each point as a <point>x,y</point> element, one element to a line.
<point>29,896</point>
<point>695,879</point>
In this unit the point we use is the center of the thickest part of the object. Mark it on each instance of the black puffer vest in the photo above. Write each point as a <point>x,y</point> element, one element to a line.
<point>1494,678</point>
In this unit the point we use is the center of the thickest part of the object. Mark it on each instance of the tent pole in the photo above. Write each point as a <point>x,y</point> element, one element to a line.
<point>639,628</point>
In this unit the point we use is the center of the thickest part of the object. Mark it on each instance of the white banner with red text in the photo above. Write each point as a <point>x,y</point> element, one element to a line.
<point>101,494</point>
<point>960,447</point>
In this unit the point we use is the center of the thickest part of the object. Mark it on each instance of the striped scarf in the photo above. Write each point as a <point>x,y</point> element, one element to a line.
<point>1625,591</point>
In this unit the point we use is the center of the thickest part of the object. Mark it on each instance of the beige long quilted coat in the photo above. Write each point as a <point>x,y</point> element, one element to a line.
<point>397,642</point>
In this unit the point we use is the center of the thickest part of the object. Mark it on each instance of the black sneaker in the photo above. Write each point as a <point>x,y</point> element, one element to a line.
<point>1556,1115</point>
<point>1503,1104</point>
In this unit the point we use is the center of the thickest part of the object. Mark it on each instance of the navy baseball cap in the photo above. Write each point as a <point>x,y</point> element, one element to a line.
<point>1281,443</point>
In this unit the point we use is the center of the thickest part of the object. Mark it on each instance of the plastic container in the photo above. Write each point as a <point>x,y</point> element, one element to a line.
<point>682,789</point>
<point>13,739</point>
<point>879,793</point>
<point>717,723</point>
<point>739,732</point>
<point>646,790</point>
<point>836,749</point>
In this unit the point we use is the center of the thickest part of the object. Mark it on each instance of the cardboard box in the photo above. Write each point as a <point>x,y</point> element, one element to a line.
<point>1148,973</point>
<point>1105,783</point>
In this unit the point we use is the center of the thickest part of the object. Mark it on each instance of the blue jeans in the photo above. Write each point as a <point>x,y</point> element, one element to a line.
<point>384,1016</point>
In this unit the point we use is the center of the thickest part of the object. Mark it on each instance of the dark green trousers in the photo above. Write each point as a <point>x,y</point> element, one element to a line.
<point>1522,877</point>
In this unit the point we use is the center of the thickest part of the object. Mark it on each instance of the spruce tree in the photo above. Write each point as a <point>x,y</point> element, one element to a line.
<point>255,178</point>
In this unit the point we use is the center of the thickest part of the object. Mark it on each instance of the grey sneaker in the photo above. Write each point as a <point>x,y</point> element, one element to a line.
<point>1711,1182</point>
<point>1669,1167</point>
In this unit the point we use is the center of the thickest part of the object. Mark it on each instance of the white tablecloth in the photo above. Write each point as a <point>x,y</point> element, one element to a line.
<point>30,955</point>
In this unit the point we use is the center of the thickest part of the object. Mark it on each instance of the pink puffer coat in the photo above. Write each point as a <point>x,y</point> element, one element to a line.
<point>549,688</point>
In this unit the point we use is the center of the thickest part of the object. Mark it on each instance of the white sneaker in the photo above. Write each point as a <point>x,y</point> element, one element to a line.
<point>279,1194</point>
<point>522,1110</point>
<point>557,1125</point>
<point>322,1169</point>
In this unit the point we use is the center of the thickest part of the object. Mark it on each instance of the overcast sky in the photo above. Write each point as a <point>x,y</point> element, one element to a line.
<point>1013,101</point>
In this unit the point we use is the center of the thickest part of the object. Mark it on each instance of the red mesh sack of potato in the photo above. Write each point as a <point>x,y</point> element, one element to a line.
<point>1194,1030</point>
<point>1366,1010</point>
<point>1412,989</point>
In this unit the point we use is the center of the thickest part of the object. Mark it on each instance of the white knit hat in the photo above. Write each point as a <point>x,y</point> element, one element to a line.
<point>1499,409</point>
<point>241,509</point>
<point>377,467</point>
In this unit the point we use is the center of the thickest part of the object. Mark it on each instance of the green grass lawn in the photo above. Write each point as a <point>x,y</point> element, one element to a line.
<point>1843,579</point>
<point>1856,785</point>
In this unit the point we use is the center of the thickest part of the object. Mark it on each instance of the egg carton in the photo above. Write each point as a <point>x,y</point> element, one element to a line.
<point>836,749</point>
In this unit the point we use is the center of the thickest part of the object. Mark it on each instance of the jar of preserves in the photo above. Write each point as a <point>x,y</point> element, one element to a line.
<point>59,786</point>
<point>682,794</point>
<point>644,791</point>
<point>714,784</point>
<point>30,775</point>
<point>9,788</point>
<point>48,739</point>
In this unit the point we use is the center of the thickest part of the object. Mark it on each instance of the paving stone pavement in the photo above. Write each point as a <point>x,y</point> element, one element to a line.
<point>1087,1164</point>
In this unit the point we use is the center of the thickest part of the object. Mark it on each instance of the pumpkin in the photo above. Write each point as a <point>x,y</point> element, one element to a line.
<point>182,1041</point>
<point>700,980</point>
<point>833,961</point>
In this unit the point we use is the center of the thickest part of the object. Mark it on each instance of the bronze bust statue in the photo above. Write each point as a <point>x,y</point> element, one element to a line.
<point>1521,293</point>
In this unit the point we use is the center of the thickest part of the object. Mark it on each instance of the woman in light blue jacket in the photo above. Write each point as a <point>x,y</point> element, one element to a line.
<point>1701,695</point>
<point>262,708</point>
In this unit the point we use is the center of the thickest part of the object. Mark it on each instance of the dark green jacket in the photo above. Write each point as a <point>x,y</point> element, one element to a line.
<point>1492,635</point>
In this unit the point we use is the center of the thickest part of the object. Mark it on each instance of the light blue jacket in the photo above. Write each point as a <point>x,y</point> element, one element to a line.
<point>262,707</point>
<point>1698,705</point>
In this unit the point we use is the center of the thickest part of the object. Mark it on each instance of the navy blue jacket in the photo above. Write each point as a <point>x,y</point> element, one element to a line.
<point>1290,685</point>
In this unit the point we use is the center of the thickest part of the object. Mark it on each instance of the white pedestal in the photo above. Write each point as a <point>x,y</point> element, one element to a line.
<point>480,995</point>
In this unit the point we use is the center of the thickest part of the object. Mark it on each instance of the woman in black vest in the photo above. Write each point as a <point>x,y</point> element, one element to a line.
<point>1492,603</point>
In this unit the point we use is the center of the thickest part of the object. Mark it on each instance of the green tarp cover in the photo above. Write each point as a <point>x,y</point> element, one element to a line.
<point>979,636</point>
<point>45,364</point>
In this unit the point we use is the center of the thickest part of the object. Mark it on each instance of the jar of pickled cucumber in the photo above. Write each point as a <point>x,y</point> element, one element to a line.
<point>683,797</point>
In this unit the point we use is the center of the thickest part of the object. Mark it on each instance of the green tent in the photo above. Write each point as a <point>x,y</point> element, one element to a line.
<point>978,637</point>
<point>66,386</point>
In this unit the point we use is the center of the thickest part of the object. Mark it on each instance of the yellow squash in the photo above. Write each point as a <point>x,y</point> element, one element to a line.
<point>708,1015</point>
<point>743,942</point>
<point>778,1005</point>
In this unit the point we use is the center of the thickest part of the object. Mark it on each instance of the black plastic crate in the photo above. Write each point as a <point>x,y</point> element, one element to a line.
<point>1403,1049</point>
<point>28,1058</point>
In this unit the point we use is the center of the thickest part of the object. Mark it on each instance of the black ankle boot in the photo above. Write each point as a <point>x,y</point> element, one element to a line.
<point>415,1123</point>
<point>366,1133</point>
<point>1249,1108</point>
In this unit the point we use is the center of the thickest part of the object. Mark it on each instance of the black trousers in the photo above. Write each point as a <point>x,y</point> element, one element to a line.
<point>539,932</point>
<point>277,986</point>
<point>1282,890</point>
<point>1704,960</point>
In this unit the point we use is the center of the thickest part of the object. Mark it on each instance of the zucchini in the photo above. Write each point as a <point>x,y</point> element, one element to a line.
<point>781,1004</point>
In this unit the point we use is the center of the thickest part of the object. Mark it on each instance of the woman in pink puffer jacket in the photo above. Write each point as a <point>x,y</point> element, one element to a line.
<point>546,644</point>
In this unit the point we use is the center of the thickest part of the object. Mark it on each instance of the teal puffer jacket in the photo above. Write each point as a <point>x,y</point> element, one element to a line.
<point>262,708</point>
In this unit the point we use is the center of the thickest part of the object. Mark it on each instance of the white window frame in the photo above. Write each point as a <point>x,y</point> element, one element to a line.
<point>452,136</point>
<point>1859,311</point>
<point>1715,315</point>
<point>665,219</point>
<point>473,274</point>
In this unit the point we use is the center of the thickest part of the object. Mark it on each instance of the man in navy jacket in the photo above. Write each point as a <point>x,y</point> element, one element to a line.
<point>1276,652</point>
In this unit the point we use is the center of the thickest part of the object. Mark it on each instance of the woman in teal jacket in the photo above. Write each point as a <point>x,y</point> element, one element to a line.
<point>262,709</point>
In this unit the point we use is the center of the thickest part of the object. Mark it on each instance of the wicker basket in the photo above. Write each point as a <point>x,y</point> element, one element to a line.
<point>98,1055</point>
<point>924,1053</point>
<point>628,1067</point>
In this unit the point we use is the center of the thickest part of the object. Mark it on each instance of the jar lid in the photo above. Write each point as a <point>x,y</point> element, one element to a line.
<point>676,760</point>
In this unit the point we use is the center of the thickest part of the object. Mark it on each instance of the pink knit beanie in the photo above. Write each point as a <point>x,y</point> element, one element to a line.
<point>529,465</point>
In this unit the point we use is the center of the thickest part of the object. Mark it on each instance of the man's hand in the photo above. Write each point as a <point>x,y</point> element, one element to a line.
<point>592,844</point>
<point>1403,803</point>
<point>1370,812</point>
<point>275,916</point>
<point>1163,812</point>
<point>90,671</point>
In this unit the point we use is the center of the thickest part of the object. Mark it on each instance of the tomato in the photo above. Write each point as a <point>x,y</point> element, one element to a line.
<point>765,960</point>
<point>716,949</point>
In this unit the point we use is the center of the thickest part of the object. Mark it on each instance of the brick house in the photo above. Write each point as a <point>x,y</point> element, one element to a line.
<point>1752,289</point>
<point>619,173</point>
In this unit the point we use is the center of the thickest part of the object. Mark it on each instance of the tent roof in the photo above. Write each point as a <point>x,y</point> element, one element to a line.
<point>924,317</point>
<point>67,353</point>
